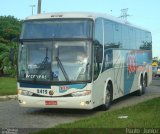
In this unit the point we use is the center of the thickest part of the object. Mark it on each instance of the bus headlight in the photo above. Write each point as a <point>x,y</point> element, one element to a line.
<point>24,92</point>
<point>81,93</point>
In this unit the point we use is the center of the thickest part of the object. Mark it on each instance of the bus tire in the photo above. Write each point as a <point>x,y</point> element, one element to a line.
<point>144,84</point>
<point>141,87</point>
<point>108,98</point>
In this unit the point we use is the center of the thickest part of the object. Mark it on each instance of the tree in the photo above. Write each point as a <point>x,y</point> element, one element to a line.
<point>155,61</point>
<point>10,28</point>
<point>4,57</point>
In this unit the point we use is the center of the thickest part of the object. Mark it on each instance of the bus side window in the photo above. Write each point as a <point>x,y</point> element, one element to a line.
<point>108,61</point>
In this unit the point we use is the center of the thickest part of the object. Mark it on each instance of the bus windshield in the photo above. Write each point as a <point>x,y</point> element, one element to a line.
<point>55,61</point>
<point>57,28</point>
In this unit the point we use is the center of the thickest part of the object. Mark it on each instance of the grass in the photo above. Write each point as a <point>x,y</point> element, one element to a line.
<point>7,86</point>
<point>143,115</point>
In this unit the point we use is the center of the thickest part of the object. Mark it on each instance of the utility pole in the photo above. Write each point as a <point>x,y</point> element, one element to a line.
<point>32,6</point>
<point>39,7</point>
<point>124,14</point>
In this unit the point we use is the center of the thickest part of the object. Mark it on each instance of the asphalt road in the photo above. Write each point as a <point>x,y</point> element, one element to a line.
<point>13,116</point>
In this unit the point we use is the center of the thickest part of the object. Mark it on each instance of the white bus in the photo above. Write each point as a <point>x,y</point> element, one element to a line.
<point>81,60</point>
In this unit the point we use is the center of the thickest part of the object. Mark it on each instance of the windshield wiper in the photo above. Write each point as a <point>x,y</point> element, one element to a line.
<point>62,68</point>
<point>45,61</point>
<point>44,65</point>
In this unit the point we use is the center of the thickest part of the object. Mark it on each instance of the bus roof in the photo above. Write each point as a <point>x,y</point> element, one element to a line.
<point>82,15</point>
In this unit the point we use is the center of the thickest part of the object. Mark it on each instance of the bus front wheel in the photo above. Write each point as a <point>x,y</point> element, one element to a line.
<point>108,98</point>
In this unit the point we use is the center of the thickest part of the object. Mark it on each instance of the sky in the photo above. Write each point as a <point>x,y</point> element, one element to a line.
<point>144,13</point>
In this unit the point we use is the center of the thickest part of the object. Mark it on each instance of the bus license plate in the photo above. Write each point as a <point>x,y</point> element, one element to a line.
<point>51,102</point>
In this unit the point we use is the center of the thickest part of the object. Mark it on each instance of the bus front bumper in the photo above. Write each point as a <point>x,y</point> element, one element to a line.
<point>82,102</point>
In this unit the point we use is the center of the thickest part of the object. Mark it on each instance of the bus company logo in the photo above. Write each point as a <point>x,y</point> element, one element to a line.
<point>132,67</point>
<point>63,88</point>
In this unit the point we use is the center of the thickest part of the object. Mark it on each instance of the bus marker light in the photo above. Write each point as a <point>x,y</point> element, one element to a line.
<point>51,102</point>
<point>87,102</point>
